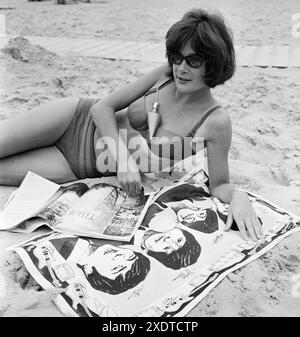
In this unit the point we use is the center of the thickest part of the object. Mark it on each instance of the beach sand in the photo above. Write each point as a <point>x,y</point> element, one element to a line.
<point>264,106</point>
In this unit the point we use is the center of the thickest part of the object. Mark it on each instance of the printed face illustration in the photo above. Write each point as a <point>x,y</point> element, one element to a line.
<point>188,215</point>
<point>166,242</point>
<point>223,208</point>
<point>111,261</point>
<point>189,212</point>
<point>163,221</point>
<point>199,214</point>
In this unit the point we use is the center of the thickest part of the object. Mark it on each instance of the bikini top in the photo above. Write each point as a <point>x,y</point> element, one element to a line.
<point>138,118</point>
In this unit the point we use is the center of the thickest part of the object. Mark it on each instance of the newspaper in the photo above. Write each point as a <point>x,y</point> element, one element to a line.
<point>178,254</point>
<point>100,211</point>
<point>34,194</point>
<point>92,207</point>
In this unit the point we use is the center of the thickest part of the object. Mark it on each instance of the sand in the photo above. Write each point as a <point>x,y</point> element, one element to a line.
<point>263,105</point>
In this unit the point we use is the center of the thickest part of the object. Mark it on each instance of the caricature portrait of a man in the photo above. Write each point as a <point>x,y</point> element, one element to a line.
<point>175,248</point>
<point>193,206</point>
<point>109,268</point>
<point>114,269</point>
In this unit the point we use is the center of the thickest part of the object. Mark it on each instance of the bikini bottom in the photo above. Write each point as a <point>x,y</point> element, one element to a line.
<point>77,143</point>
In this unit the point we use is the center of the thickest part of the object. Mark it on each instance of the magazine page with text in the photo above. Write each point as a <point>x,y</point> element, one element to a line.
<point>104,211</point>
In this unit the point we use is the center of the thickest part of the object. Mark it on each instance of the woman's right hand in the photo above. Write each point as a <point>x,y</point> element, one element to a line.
<point>129,177</point>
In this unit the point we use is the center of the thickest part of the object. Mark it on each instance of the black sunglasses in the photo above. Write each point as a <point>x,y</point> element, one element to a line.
<point>192,60</point>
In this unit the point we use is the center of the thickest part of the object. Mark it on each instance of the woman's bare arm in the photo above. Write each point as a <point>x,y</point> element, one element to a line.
<point>218,134</point>
<point>103,114</point>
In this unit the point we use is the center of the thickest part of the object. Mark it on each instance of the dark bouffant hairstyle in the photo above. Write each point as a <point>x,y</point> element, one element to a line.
<point>209,37</point>
<point>185,256</point>
<point>181,192</point>
<point>133,277</point>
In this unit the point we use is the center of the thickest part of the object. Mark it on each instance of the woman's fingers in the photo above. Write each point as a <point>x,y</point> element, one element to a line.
<point>133,188</point>
<point>122,182</point>
<point>257,226</point>
<point>229,220</point>
<point>242,228</point>
<point>129,188</point>
<point>244,215</point>
<point>253,226</point>
<point>240,223</point>
<point>250,229</point>
<point>135,184</point>
<point>138,188</point>
<point>130,183</point>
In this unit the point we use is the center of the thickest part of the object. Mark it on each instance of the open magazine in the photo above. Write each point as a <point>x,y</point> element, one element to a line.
<point>90,207</point>
<point>100,211</point>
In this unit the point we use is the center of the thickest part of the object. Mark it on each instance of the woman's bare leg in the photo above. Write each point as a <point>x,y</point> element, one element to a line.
<point>47,162</point>
<point>40,127</point>
<point>26,143</point>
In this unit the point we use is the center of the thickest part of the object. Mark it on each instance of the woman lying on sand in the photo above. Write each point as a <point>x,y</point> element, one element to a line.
<point>61,140</point>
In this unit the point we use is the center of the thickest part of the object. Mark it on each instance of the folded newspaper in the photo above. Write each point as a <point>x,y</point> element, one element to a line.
<point>100,211</point>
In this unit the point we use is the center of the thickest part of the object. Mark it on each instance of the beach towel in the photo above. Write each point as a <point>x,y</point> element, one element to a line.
<point>179,253</point>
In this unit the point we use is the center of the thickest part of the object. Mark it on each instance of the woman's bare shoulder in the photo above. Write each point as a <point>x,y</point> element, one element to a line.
<point>219,118</point>
<point>124,96</point>
<point>164,78</point>
<point>161,80</point>
<point>218,125</point>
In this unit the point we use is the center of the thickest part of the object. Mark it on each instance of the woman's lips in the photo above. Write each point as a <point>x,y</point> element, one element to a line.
<point>182,79</point>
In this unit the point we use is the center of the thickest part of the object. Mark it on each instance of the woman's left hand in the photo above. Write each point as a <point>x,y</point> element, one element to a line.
<point>244,215</point>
